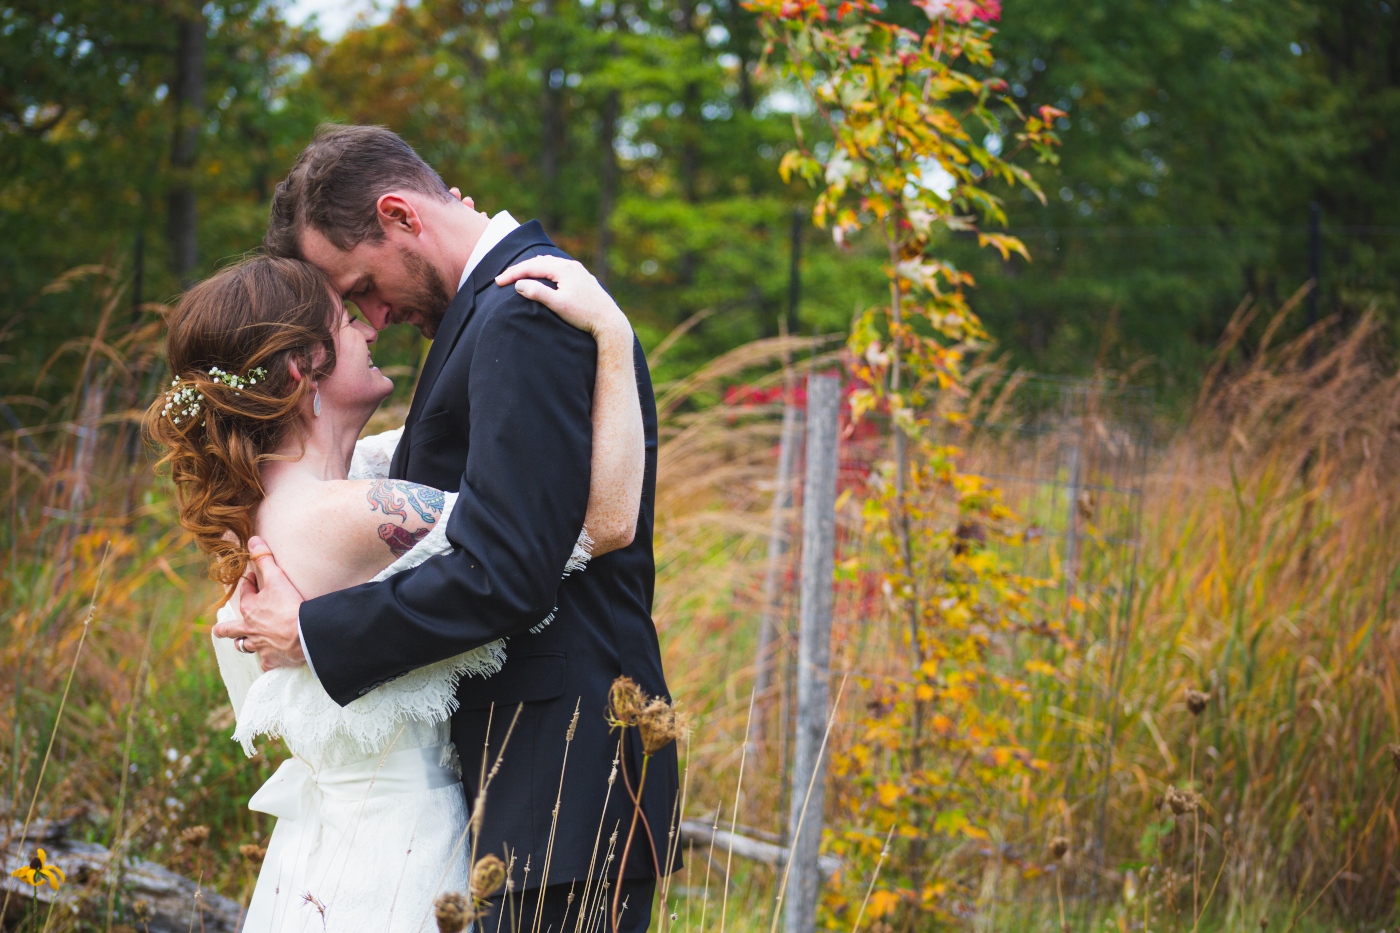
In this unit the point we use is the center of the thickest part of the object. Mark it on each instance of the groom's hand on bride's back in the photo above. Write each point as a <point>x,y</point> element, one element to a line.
<point>269,605</point>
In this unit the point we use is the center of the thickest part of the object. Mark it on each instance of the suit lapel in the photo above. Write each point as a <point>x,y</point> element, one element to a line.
<point>454,321</point>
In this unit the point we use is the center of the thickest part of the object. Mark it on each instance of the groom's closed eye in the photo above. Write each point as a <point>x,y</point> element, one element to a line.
<point>359,289</point>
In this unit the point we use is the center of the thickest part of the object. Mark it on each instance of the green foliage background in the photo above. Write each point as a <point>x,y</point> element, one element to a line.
<point>1198,132</point>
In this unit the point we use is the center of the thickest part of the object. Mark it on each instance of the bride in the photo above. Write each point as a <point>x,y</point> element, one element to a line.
<point>274,382</point>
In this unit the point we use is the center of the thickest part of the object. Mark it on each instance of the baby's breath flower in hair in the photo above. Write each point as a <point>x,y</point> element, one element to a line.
<point>235,381</point>
<point>183,403</point>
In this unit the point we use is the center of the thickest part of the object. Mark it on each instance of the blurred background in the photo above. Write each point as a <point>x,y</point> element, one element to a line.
<point>1174,473</point>
<point>147,136</point>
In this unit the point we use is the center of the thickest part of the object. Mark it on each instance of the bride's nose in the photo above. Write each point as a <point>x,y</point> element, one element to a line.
<point>366,331</point>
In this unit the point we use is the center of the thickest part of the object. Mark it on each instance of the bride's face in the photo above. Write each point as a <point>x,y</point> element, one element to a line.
<point>356,384</point>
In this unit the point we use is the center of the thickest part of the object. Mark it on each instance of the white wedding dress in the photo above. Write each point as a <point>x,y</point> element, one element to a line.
<point>371,817</point>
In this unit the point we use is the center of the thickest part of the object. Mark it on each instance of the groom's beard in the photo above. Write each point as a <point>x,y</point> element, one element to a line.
<point>428,297</point>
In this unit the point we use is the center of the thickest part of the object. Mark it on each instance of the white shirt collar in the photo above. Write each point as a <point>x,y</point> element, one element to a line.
<point>497,230</point>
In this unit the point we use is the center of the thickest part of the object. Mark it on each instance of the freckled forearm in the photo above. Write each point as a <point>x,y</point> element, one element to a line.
<point>619,458</point>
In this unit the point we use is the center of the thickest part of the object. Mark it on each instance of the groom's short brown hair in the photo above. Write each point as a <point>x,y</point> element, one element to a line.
<point>336,183</point>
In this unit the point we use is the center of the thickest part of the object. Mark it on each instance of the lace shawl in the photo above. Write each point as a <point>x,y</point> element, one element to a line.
<point>291,704</point>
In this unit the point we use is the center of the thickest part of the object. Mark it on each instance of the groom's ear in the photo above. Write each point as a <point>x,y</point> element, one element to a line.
<point>398,215</point>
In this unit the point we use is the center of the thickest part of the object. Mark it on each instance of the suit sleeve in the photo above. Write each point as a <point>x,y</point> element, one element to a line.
<point>523,497</point>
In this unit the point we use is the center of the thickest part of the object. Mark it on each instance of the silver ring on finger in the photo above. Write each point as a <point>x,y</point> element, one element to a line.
<point>239,644</point>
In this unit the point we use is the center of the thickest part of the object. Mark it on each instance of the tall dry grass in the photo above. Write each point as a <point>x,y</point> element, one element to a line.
<point>1264,576</point>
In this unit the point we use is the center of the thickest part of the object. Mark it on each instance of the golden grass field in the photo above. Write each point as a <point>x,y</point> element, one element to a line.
<point>1265,575</point>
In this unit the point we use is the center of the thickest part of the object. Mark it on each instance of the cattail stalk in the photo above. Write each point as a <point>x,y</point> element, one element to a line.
<point>58,717</point>
<point>554,820</point>
<point>597,840</point>
<point>734,818</point>
<point>673,841</point>
<point>631,829</point>
<point>875,877</point>
<point>117,842</point>
<point>473,826</point>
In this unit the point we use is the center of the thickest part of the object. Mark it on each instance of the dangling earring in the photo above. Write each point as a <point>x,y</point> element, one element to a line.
<point>316,403</point>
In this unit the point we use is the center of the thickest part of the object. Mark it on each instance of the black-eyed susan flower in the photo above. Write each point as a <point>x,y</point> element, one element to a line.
<point>39,872</point>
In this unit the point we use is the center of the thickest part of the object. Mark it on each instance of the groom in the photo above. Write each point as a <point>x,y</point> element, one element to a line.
<point>502,415</point>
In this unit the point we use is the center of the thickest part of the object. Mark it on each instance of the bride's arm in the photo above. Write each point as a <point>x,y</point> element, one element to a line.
<point>619,454</point>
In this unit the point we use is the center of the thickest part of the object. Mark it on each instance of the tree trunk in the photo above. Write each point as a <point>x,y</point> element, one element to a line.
<point>551,130</point>
<point>188,93</point>
<point>607,183</point>
<point>740,26</point>
<point>690,151</point>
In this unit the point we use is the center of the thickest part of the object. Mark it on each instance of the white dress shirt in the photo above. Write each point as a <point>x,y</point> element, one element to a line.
<point>496,230</point>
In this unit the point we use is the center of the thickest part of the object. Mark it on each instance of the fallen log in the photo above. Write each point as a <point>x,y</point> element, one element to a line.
<point>756,850</point>
<point>176,903</point>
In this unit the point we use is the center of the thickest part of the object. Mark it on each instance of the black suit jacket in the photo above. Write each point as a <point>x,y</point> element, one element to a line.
<point>502,414</point>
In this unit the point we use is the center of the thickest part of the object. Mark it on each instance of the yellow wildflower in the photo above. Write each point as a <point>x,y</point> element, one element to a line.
<point>39,872</point>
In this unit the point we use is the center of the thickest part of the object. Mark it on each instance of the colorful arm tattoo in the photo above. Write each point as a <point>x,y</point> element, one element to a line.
<point>394,498</point>
<point>400,540</point>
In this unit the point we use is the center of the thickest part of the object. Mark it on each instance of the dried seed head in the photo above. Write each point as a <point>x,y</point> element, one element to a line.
<point>1059,846</point>
<point>453,912</point>
<point>1309,805</point>
<point>967,536</point>
<point>1182,801</point>
<point>488,875</point>
<point>195,836</point>
<point>625,702</point>
<point>1196,701</point>
<point>1394,756</point>
<point>253,853</point>
<point>659,725</point>
<point>141,910</point>
<point>1263,923</point>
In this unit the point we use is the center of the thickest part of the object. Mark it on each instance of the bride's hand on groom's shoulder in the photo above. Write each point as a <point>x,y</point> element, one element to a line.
<point>268,604</point>
<point>577,296</point>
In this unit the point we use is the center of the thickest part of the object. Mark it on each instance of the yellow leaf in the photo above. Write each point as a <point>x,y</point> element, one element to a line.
<point>882,903</point>
<point>1006,245</point>
<point>889,794</point>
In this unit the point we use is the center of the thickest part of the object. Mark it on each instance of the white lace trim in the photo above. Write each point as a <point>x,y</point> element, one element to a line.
<point>291,703</point>
<point>374,454</point>
<point>578,561</point>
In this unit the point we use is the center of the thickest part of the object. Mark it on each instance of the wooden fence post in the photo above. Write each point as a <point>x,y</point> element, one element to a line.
<point>813,652</point>
<point>772,578</point>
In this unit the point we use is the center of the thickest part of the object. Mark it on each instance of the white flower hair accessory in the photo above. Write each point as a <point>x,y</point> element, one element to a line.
<point>182,403</point>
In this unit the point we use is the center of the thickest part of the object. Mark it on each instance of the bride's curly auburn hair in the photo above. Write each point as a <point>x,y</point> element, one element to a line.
<point>261,314</point>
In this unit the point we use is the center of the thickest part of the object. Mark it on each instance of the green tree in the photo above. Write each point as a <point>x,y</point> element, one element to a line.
<point>103,161</point>
<point>1196,135</point>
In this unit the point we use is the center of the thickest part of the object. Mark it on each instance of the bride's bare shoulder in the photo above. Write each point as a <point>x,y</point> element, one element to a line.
<point>341,533</point>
